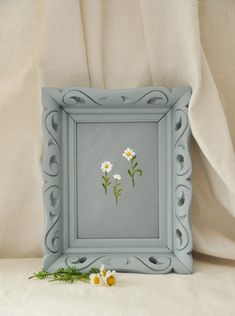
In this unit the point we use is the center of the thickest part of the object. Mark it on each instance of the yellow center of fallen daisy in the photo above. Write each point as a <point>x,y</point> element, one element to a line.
<point>103,273</point>
<point>111,280</point>
<point>96,280</point>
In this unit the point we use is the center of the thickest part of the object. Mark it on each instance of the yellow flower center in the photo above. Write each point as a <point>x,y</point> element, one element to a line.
<point>96,280</point>
<point>103,273</point>
<point>111,280</point>
<point>106,166</point>
<point>128,154</point>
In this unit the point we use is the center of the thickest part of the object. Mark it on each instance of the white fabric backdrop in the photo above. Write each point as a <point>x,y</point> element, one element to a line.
<point>117,44</point>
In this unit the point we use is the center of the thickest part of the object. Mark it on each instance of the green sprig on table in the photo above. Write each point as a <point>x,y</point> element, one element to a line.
<point>66,275</point>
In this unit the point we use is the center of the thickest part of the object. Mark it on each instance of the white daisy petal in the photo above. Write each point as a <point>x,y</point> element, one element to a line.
<point>95,279</point>
<point>128,153</point>
<point>117,177</point>
<point>106,166</point>
<point>110,278</point>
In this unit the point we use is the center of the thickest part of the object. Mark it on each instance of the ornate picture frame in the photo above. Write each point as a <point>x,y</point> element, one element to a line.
<point>148,229</point>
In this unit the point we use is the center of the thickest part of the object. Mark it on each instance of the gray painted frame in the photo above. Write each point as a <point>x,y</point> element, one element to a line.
<point>63,109</point>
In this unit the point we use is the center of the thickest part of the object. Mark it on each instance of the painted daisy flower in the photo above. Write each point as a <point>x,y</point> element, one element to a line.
<point>106,166</point>
<point>95,279</point>
<point>128,154</point>
<point>117,177</point>
<point>110,278</point>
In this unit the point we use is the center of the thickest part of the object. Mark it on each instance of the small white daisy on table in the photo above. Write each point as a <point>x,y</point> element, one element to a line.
<point>95,279</point>
<point>106,277</point>
<point>110,278</point>
<point>103,271</point>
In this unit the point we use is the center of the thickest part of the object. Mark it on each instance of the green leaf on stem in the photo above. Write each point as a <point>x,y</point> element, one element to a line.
<point>135,165</point>
<point>139,171</point>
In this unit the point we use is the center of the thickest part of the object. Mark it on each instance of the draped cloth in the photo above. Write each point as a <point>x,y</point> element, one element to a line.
<point>117,44</point>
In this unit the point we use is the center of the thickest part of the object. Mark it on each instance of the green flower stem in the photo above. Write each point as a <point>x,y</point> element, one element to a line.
<point>106,182</point>
<point>132,171</point>
<point>117,189</point>
<point>66,275</point>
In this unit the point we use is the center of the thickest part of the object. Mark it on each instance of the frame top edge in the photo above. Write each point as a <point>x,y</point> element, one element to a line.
<point>84,88</point>
<point>151,96</point>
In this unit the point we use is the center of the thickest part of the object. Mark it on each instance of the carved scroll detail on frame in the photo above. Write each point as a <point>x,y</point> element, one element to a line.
<point>182,190</point>
<point>51,189</point>
<point>148,264</point>
<point>151,98</point>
